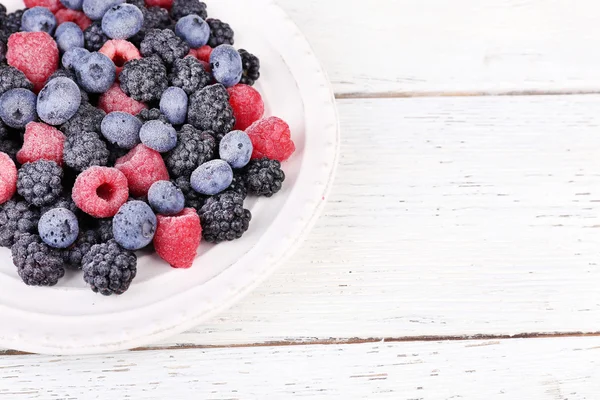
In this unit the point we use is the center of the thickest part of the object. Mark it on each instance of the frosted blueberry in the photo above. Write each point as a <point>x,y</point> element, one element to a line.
<point>68,35</point>
<point>38,19</point>
<point>95,72</point>
<point>58,101</point>
<point>158,136</point>
<point>18,107</point>
<point>212,177</point>
<point>226,65</point>
<point>59,228</point>
<point>174,105</point>
<point>95,9</point>
<point>134,225</point>
<point>236,148</point>
<point>121,129</point>
<point>194,30</point>
<point>166,198</point>
<point>73,4</point>
<point>73,56</point>
<point>122,21</point>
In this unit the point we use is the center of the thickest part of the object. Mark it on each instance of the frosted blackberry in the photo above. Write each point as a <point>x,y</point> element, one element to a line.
<point>109,269</point>
<point>151,114</point>
<point>40,182</point>
<point>251,67</point>
<point>104,230</point>
<point>209,110</point>
<point>85,150</point>
<point>3,130</point>
<point>192,198</point>
<point>62,202</point>
<point>164,44</point>
<point>220,32</point>
<point>154,18</point>
<point>87,119</point>
<point>115,153</point>
<point>141,4</point>
<point>11,24</point>
<point>16,218</point>
<point>36,262</point>
<point>73,256</point>
<point>264,177</point>
<point>2,11</point>
<point>12,78</point>
<point>94,36</point>
<point>224,218</point>
<point>144,79</point>
<point>10,146</point>
<point>182,8</point>
<point>238,185</point>
<point>189,74</point>
<point>193,149</point>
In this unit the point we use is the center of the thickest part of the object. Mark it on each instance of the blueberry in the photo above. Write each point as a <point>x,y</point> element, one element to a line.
<point>95,9</point>
<point>58,101</point>
<point>134,225</point>
<point>158,136</point>
<point>73,56</point>
<point>122,129</point>
<point>226,64</point>
<point>38,19</point>
<point>166,198</point>
<point>122,21</point>
<point>236,148</point>
<point>212,177</point>
<point>68,35</point>
<point>73,4</point>
<point>17,107</point>
<point>59,228</point>
<point>194,30</point>
<point>95,72</point>
<point>174,105</point>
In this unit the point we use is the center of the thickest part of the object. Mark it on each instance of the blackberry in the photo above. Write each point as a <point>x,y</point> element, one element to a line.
<point>220,32</point>
<point>224,218</point>
<point>2,11</point>
<point>114,153</point>
<point>3,130</point>
<point>11,24</point>
<point>85,150</point>
<point>193,149</point>
<point>37,263</point>
<point>62,202</point>
<point>154,18</point>
<point>10,147</point>
<point>189,74</point>
<point>104,230</point>
<point>193,199</point>
<point>251,67</point>
<point>151,114</point>
<point>182,8</point>
<point>141,4</point>
<point>40,182</point>
<point>238,185</point>
<point>16,218</point>
<point>209,109</point>
<point>164,44</point>
<point>12,78</point>
<point>264,177</point>
<point>3,50</point>
<point>94,36</point>
<point>74,254</point>
<point>87,119</point>
<point>144,79</point>
<point>109,269</point>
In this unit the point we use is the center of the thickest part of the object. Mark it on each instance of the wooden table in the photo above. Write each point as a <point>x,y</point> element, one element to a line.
<point>458,254</point>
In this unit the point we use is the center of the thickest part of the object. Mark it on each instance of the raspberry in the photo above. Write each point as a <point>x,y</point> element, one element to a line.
<point>115,100</point>
<point>177,238</point>
<point>100,191</point>
<point>271,138</point>
<point>16,218</point>
<point>251,67</point>
<point>142,166</point>
<point>36,262</point>
<point>247,105</point>
<point>220,32</point>
<point>94,36</point>
<point>109,269</point>
<point>68,15</point>
<point>209,109</point>
<point>203,54</point>
<point>34,53</point>
<point>85,150</point>
<point>87,119</point>
<point>120,51</point>
<point>8,178</point>
<point>52,5</point>
<point>165,44</point>
<point>223,217</point>
<point>40,182</point>
<point>159,3</point>
<point>41,142</point>
<point>144,79</point>
<point>189,74</point>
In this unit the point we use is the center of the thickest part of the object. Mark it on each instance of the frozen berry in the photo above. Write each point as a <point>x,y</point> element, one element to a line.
<point>174,105</point>
<point>59,228</point>
<point>203,54</point>
<point>72,4</point>
<point>247,104</point>
<point>152,114</point>
<point>100,191</point>
<point>223,217</point>
<point>212,177</point>
<point>58,101</point>
<point>120,51</point>
<point>251,67</point>
<point>164,44</point>
<point>67,15</point>
<point>177,238</point>
<point>122,21</point>
<point>40,182</point>
<point>271,137</point>
<point>95,9</point>
<point>194,30</point>
<point>38,19</point>
<point>226,65</point>
<point>95,72</point>
<point>115,100</point>
<point>159,3</point>
<point>12,78</point>
<point>69,35</point>
<point>34,53</point>
<point>134,225</point>
<point>166,198</point>
<point>264,177</point>
<point>121,129</point>
<point>10,146</point>
<point>73,256</point>
<point>209,109</point>
<point>181,8</point>
<point>236,149</point>
<point>8,178</point>
<point>52,5</point>
<point>94,36</point>
<point>37,263</point>
<point>87,119</point>
<point>220,32</point>
<point>142,166</point>
<point>144,79</point>
<point>193,199</point>
<point>109,269</point>
<point>16,218</point>
<point>193,149</point>
<point>158,136</point>
<point>41,142</point>
<point>17,107</point>
<point>189,74</point>
<point>72,57</point>
<point>85,150</point>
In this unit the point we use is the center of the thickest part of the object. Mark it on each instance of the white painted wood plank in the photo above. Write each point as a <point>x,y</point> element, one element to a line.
<point>540,369</point>
<point>449,216</point>
<point>440,46</point>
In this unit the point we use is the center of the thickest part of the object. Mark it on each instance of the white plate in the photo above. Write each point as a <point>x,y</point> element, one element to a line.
<point>71,319</point>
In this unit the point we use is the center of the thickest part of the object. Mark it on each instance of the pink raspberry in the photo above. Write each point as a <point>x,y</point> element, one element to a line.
<point>120,51</point>
<point>177,238</point>
<point>201,53</point>
<point>247,104</point>
<point>8,178</point>
<point>68,15</point>
<point>52,5</point>
<point>41,142</point>
<point>115,100</point>
<point>160,3</point>
<point>100,191</point>
<point>35,54</point>
<point>271,137</point>
<point>142,166</point>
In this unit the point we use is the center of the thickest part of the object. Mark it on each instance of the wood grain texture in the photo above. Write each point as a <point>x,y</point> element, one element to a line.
<point>502,369</point>
<point>408,47</point>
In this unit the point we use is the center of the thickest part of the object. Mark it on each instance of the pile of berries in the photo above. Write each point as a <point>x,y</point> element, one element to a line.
<point>125,125</point>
